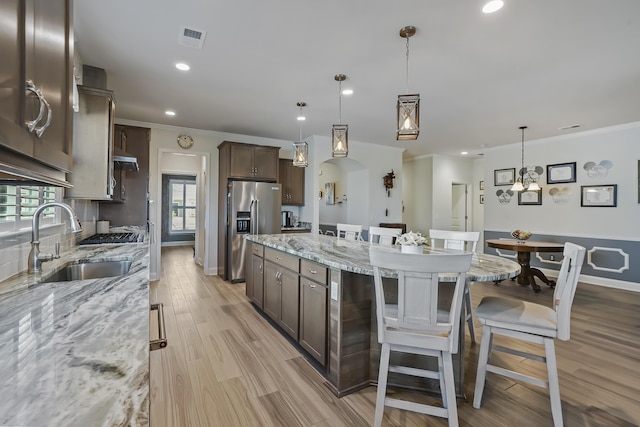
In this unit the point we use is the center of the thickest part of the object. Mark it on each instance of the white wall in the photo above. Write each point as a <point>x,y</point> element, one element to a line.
<point>368,184</point>
<point>619,144</point>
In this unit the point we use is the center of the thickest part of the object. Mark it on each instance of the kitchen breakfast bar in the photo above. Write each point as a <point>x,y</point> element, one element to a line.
<point>319,290</point>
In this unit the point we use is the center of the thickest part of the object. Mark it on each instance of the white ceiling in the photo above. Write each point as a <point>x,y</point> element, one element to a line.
<point>544,63</point>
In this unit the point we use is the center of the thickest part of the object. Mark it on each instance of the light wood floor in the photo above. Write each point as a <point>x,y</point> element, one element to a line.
<point>226,366</point>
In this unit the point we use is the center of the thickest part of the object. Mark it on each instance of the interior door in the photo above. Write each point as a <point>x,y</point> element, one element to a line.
<point>458,207</point>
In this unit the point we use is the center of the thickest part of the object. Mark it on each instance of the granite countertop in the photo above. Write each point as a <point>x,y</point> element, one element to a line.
<point>77,353</point>
<point>353,256</point>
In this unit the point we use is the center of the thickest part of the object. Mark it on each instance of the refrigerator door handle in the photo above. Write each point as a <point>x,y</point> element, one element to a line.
<point>252,217</point>
<point>257,216</point>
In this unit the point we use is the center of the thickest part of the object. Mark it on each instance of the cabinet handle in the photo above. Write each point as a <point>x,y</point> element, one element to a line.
<point>42,128</point>
<point>31,124</point>
<point>260,268</point>
<point>161,342</point>
<point>279,258</point>
<point>313,271</point>
<point>311,285</point>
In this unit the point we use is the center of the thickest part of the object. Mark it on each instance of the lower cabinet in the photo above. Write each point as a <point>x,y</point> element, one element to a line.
<point>293,292</point>
<point>254,273</point>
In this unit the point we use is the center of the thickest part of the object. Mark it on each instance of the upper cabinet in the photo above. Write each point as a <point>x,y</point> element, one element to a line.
<point>93,128</point>
<point>247,161</point>
<point>36,80</point>
<point>292,180</point>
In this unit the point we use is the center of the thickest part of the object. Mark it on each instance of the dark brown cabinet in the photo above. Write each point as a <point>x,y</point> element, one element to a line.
<point>281,290</point>
<point>313,309</point>
<point>292,179</point>
<point>255,274</point>
<point>255,162</point>
<point>36,79</point>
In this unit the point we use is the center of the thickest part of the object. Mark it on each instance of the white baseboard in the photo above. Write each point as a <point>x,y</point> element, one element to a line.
<point>177,243</point>
<point>599,281</point>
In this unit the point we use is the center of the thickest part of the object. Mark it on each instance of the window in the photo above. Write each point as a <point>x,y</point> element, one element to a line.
<point>19,202</point>
<point>183,206</point>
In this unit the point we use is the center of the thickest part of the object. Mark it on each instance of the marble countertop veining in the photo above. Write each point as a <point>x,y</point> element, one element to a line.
<point>77,353</point>
<point>353,256</point>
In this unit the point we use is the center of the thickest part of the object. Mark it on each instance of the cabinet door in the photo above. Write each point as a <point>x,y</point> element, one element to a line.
<point>290,302</point>
<point>313,319</point>
<point>265,163</point>
<point>296,185</point>
<point>257,279</point>
<point>48,64</point>
<point>272,290</point>
<point>241,161</point>
<point>13,134</point>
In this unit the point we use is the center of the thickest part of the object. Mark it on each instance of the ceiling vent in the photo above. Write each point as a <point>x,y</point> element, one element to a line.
<point>192,37</point>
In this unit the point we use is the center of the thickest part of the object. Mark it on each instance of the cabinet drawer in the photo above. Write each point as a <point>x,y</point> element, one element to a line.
<point>257,249</point>
<point>281,258</point>
<point>313,271</point>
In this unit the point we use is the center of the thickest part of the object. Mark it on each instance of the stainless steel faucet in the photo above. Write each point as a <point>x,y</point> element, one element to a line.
<point>35,257</point>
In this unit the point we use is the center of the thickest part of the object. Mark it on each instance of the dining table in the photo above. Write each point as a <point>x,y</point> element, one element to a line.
<point>523,249</point>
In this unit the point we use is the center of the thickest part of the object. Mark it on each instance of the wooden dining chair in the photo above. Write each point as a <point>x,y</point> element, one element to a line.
<point>414,325</point>
<point>349,231</point>
<point>534,323</point>
<point>383,236</point>
<point>464,241</point>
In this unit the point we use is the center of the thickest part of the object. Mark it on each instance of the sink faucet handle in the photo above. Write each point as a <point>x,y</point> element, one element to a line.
<point>57,246</point>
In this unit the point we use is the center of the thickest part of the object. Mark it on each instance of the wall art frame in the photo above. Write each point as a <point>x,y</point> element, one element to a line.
<point>529,197</point>
<point>561,173</point>
<point>605,196</point>
<point>504,176</point>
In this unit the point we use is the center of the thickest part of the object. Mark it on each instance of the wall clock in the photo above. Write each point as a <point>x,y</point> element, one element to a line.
<point>185,141</point>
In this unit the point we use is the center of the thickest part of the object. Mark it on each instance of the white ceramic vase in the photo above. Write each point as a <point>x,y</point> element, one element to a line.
<point>411,249</point>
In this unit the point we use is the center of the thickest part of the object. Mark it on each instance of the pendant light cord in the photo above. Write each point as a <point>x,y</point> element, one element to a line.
<point>407,71</point>
<point>339,102</point>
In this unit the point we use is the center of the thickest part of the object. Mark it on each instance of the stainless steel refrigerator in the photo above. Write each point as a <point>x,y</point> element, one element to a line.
<point>253,208</point>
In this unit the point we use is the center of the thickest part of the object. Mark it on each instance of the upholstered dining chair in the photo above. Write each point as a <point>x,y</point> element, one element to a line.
<point>415,326</point>
<point>349,231</point>
<point>464,241</point>
<point>382,235</point>
<point>534,323</point>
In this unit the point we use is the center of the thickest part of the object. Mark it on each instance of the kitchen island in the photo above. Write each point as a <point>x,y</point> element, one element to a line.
<point>351,341</point>
<point>76,353</point>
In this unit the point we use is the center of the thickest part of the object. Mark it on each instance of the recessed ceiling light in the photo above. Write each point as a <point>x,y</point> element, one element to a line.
<point>170,113</point>
<point>347,92</point>
<point>301,118</point>
<point>493,6</point>
<point>464,153</point>
<point>182,66</point>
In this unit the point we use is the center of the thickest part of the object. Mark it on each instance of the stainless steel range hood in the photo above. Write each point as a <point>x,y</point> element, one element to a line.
<point>124,161</point>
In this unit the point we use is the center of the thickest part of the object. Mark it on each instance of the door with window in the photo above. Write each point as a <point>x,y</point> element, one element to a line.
<point>178,209</point>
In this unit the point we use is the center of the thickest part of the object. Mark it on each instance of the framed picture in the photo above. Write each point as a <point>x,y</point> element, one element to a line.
<point>528,197</point>
<point>504,176</point>
<point>599,195</point>
<point>329,193</point>
<point>561,173</point>
<point>482,184</point>
<point>482,199</point>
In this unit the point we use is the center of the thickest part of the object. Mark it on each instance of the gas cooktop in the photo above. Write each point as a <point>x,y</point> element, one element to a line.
<point>98,239</point>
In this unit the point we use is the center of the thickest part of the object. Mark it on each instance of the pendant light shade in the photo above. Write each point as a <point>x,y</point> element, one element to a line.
<point>301,148</point>
<point>408,106</point>
<point>520,184</point>
<point>340,132</point>
<point>408,109</point>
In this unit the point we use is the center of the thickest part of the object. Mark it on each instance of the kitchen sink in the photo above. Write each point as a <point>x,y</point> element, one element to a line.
<point>91,270</point>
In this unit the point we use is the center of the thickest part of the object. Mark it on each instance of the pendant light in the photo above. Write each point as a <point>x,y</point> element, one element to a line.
<point>301,148</point>
<point>521,184</point>
<point>408,106</point>
<point>340,132</point>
